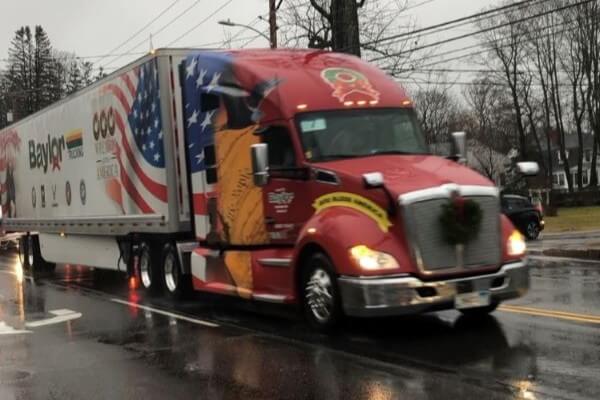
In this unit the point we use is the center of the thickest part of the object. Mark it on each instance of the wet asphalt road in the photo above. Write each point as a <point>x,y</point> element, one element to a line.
<point>88,336</point>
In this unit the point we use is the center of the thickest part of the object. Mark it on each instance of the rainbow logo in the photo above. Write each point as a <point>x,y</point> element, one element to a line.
<point>74,140</point>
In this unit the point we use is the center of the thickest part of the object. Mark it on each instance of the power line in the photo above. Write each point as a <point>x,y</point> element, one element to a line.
<point>465,23</point>
<point>129,39</point>
<point>451,22</point>
<point>471,34</point>
<point>200,23</point>
<point>418,5</point>
<point>73,56</point>
<point>253,39</point>
<point>484,51</point>
<point>171,22</point>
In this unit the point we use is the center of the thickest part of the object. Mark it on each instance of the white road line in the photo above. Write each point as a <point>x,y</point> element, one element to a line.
<point>166,313</point>
<point>9,330</point>
<point>62,315</point>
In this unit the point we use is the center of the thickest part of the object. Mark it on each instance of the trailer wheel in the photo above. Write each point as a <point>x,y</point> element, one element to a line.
<point>149,268</point>
<point>177,283</point>
<point>320,295</point>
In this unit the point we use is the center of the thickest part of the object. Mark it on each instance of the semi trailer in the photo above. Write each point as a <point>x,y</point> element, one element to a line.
<point>285,176</point>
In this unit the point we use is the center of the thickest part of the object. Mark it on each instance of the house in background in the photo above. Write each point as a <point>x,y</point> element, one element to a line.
<point>559,178</point>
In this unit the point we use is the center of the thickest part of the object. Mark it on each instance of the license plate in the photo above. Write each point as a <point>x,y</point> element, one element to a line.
<point>480,298</point>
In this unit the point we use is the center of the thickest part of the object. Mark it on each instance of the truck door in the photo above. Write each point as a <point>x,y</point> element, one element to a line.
<point>286,203</point>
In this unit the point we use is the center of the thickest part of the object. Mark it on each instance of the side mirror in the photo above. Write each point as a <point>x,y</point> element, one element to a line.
<point>528,168</point>
<point>459,147</point>
<point>373,179</point>
<point>260,163</point>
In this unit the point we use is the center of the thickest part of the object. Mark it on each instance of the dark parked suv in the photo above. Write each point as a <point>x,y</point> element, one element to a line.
<point>528,218</point>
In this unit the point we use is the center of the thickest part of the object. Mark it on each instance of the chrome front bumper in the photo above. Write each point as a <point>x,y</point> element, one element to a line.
<point>381,296</point>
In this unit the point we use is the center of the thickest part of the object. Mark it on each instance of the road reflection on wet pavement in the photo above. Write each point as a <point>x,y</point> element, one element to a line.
<point>83,334</point>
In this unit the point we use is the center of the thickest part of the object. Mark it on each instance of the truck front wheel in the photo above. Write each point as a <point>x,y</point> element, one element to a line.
<point>149,268</point>
<point>320,295</point>
<point>177,283</point>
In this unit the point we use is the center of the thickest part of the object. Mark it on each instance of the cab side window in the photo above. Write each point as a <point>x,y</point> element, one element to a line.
<point>281,149</point>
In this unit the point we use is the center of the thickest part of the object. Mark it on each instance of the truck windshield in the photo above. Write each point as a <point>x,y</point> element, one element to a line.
<point>331,135</point>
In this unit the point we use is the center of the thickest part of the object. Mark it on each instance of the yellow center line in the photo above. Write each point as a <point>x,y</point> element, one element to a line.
<point>592,319</point>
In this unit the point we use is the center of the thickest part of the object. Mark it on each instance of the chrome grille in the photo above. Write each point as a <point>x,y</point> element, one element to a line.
<point>423,227</point>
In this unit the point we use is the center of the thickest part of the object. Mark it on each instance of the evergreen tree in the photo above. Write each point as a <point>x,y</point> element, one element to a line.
<point>19,75</point>
<point>37,75</point>
<point>74,80</point>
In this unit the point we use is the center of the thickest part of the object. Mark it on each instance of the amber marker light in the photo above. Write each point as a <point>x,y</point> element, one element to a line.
<point>302,106</point>
<point>348,103</point>
<point>133,283</point>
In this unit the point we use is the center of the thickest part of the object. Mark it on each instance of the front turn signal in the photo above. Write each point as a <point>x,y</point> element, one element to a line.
<point>372,260</point>
<point>516,244</point>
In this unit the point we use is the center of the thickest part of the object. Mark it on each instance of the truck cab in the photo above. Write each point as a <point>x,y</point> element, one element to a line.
<point>312,184</point>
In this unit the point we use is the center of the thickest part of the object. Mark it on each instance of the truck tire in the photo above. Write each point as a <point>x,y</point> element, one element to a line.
<point>480,312</point>
<point>532,229</point>
<point>320,295</point>
<point>149,268</point>
<point>177,284</point>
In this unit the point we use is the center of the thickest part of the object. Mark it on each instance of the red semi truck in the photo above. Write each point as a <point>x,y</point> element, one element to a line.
<point>288,176</point>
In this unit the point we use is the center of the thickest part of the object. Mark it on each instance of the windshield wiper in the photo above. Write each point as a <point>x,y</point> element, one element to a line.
<point>330,157</point>
<point>390,152</point>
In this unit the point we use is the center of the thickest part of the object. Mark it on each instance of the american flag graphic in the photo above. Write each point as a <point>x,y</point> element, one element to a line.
<point>141,187</point>
<point>201,74</point>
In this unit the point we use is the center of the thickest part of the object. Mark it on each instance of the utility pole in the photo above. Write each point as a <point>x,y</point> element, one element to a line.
<point>273,23</point>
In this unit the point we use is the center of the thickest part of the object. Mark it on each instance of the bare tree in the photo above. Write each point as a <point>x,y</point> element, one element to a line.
<point>438,111</point>
<point>314,24</point>
<point>492,126</point>
<point>588,22</point>
<point>507,45</point>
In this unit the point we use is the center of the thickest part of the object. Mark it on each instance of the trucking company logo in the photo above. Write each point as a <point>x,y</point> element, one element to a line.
<point>345,81</point>
<point>49,153</point>
<point>105,144</point>
<point>75,143</point>
<point>281,200</point>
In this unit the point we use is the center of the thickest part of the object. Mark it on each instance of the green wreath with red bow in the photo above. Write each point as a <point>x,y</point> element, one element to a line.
<point>460,220</point>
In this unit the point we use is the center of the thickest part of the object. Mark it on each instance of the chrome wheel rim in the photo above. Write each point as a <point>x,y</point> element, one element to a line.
<point>145,273</point>
<point>319,295</point>
<point>532,229</point>
<point>171,276</point>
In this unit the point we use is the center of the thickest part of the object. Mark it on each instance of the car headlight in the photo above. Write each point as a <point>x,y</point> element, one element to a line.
<point>372,260</point>
<point>516,244</point>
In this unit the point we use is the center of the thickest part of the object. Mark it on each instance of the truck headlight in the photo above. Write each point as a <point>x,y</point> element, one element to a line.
<point>516,244</point>
<point>371,260</point>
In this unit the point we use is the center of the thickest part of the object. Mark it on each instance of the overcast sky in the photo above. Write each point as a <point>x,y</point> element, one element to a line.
<point>92,27</point>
